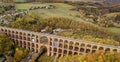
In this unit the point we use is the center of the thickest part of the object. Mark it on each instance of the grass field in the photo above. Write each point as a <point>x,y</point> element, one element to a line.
<point>114,30</point>
<point>61,10</point>
<point>45,58</point>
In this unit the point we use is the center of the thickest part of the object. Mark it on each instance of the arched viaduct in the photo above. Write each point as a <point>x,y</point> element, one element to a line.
<point>56,45</point>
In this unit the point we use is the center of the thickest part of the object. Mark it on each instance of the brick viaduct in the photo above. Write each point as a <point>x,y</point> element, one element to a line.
<point>55,45</point>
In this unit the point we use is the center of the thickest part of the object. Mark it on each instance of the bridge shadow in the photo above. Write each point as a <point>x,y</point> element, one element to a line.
<point>43,50</point>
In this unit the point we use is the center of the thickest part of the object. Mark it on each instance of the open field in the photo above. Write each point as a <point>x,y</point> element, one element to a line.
<point>45,58</point>
<point>61,10</point>
<point>114,30</point>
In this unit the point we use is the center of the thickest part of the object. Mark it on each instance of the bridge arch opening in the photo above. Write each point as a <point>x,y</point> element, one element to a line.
<point>75,53</point>
<point>20,43</point>
<point>55,49</point>
<point>101,48</point>
<point>93,51</point>
<point>65,41</point>
<point>44,40</point>
<point>71,43</point>
<point>71,47</point>
<point>60,41</point>
<point>70,53</point>
<point>60,45</point>
<point>65,52</point>
<point>89,46</point>
<point>65,46</point>
<point>107,50</point>
<point>60,50</point>
<point>43,49</point>
<point>28,44</point>
<point>77,44</point>
<point>82,49</point>
<point>76,48</point>
<point>94,47</point>
<point>24,43</point>
<point>33,45</point>
<point>114,50</point>
<point>87,50</point>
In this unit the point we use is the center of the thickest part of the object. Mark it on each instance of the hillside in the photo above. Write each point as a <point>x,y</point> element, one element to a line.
<point>85,21</point>
<point>60,10</point>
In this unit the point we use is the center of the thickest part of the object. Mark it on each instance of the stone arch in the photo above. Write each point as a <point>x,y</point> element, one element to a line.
<point>51,43</point>
<point>114,50</point>
<point>76,44</point>
<point>33,35</point>
<point>36,36</point>
<point>71,43</point>
<point>20,37</point>
<point>50,48</point>
<point>44,49</point>
<point>71,47</point>
<point>20,33</point>
<point>87,50</point>
<point>93,51</point>
<point>60,51</point>
<point>24,46</point>
<point>24,34</point>
<point>66,41</point>
<point>33,39</point>
<point>16,32</point>
<point>55,40</point>
<point>2,29</point>
<point>24,43</point>
<point>107,50</point>
<point>65,46</point>
<point>55,49</point>
<point>13,32</point>
<point>75,53</point>
<point>65,51</point>
<point>50,39</point>
<point>94,47</point>
<point>82,49</point>
<point>60,41</point>
<point>56,43</point>
<point>24,38</point>
<point>44,40</point>
<point>101,48</point>
<point>29,44</point>
<point>60,45</point>
<point>20,43</point>
<point>33,50</point>
<point>89,45</point>
<point>32,44</point>
<point>76,48</point>
<point>28,39</point>
<point>70,53</point>
<point>28,34</point>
